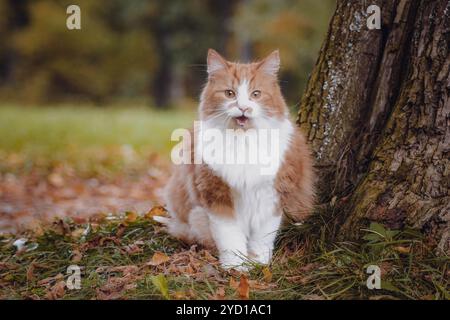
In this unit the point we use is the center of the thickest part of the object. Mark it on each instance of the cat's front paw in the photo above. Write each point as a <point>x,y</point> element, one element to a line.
<point>230,261</point>
<point>260,255</point>
<point>263,258</point>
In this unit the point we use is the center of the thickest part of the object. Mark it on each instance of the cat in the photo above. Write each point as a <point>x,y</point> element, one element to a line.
<point>234,207</point>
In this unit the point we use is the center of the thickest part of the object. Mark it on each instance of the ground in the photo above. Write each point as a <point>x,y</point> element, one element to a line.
<point>79,186</point>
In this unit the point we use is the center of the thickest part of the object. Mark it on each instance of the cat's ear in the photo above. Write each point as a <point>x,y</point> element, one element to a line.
<point>215,61</point>
<point>271,64</point>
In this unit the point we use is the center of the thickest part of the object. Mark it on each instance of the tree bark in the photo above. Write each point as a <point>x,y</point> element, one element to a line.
<point>376,112</point>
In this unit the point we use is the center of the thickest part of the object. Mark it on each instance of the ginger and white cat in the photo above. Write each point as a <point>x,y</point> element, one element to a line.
<point>234,206</point>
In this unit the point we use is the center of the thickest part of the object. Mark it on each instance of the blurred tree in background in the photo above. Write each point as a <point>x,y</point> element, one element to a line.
<point>151,51</point>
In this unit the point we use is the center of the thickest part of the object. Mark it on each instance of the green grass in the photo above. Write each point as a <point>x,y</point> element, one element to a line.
<point>84,136</point>
<point>304,266</point>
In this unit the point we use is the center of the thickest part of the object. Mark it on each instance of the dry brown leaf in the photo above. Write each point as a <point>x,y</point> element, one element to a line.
<point>120,230</point>
<point>187,269</point>
<point>209,257</point>
<point>116,285</point>
<point>156,211</point>
<point>77,233</point>
<point>158,258</point>
<point>56,180</point>
<point>220,293</point>
<point>62,227</point>
<point>133,249</point>
<point>243,288</point>
<point>79,220</point>
<point>267,274</point>
<point>254,284</point>
<point>192,294</point>
<point>103,240</point>
<point>126,270</point>
<point>131,216</point>
<point>308,267</point>
<point>108,295</point>
<point>57,291</point>
<point>76,256</point>
<point>402,249</point>
<point>210,271</point>
<point>180,295</point>
<point>48,280</point>
<point>233,283</point>
<point>8,266</point>
<point>30,272</point>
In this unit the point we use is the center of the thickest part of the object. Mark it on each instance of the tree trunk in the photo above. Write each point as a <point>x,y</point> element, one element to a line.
<point>376,112</point>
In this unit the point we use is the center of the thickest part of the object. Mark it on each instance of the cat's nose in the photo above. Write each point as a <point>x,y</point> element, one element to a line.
<point>244,109</point>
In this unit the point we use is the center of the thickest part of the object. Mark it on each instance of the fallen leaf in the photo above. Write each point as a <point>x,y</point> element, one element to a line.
<point>209,257</point>
<point>158,258</point>
<point>220,293</point>
<point>76,256</point>
<point>402,249</point>
<point>259,285</point>
<point>48,280</point>
<point>160,282</point>
<point>102,241</point>
<point>57,291</point>
<point>120,230</point>
<point>133,249</point>
<point>8,266</point>
<point>244,288</point>
<point>210,271</point>
<point>233,283</point>
<point>77,233</point>
<point>179,295</point>
<point>63,227</point>
<point>79,220</point>
<point>126,270</point>
<point>156,211</point>
<point>56,180</point>
<point>30,272</point>
<point>114,295</point>
<point>308,267</point>
<point>267,274</point>
<point>131,216</point>
<point>186,269</point>
<point>117,285</point>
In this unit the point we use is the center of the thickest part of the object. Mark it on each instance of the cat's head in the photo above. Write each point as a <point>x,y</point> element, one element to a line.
<point>241,95</point>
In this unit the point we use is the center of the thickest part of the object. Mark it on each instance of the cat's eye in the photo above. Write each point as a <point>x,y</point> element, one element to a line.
<point>230,94</point>
<point>256,94</point>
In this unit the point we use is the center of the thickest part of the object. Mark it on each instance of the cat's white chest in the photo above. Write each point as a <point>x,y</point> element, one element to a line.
<point>254,205</point>
<point>248,163</point>
<point>252,184</point>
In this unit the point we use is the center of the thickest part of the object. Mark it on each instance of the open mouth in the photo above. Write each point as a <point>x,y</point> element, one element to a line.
<point>242,120</point>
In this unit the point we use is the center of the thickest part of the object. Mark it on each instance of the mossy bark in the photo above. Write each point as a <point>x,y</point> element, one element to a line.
<point>376,112</point>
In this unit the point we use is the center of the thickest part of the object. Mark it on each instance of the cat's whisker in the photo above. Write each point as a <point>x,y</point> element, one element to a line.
<point>216,115</point>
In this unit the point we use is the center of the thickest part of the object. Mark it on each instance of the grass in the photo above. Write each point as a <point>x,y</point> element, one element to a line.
<point>131,257</point>
<point>84,137</point>
<point>304,267</point>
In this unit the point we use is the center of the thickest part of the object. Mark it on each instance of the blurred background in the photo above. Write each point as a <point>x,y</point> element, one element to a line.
<point>86,115</point>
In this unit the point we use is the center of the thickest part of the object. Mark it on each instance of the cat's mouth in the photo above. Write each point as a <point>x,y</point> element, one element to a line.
<point>241,121</point>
